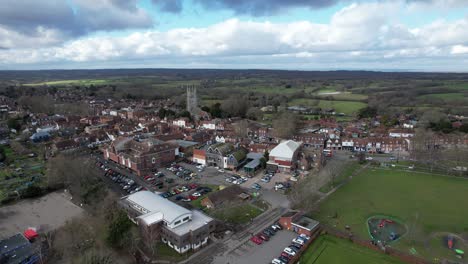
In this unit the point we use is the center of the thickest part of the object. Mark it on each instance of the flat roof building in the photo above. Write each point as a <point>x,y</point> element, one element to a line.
<point>157,217</point>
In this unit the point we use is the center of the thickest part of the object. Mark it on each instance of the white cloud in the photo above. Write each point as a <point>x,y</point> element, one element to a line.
<point>360,34</point>
<point>459,49</point>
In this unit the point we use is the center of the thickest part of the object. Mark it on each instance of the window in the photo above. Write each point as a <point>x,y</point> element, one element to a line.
<point>177,222</point>
<point>153,160</point>
<point>186,219</point>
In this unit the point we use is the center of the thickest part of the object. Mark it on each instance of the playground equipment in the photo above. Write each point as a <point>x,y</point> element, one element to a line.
<point>450,242</point>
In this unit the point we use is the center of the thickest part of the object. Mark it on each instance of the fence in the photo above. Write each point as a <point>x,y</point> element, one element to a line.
<point>368,244</point>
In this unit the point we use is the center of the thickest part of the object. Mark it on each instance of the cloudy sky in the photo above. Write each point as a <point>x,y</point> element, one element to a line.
<point>423,35</point>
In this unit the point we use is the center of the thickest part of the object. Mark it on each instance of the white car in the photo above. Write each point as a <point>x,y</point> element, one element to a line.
<point>299,241</point>
<point>306,237</point>
<point>196,194</point>
<point>221,170</point>
<point>277,261</point>
<point>289,251</point>
<point>369,158</point>
<point>294,179</point>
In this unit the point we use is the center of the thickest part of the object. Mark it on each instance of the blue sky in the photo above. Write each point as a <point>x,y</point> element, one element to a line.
<point>420,35</point>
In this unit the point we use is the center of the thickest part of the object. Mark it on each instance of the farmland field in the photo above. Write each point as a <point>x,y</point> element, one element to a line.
<point>425,203</point>
<point>447,96</point>
<point>327,249</point>
<point>347,107</point>
<point>72,82</point>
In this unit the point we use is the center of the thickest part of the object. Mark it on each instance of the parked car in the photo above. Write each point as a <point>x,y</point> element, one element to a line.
<point>266,179</point>
<point>169,180</point>
<point>298,240</point>
<point>289,251</point>
<point>256,186</point>
<point>283,259</point>
<point>276,227</point>
<point>277,261</point>
<point>256,240</point>
<point>263,237</point>
<point>295,246</point>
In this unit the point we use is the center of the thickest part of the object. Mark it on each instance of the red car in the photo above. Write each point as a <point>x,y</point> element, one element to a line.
<point>286,255</point>
<point>193,186</point>
<point>256,240</point>
<point>263,237</point>
<point>191,197</point>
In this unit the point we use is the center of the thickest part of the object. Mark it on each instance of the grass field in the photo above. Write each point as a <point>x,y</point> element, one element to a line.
<point>445,96</point>
<point>343,96</point>
<point>347,107</point>
<point>347,171</point>
<point>72,82</point>
<point>425,203</point>
<point>238,214</point>
<point>327,249</point>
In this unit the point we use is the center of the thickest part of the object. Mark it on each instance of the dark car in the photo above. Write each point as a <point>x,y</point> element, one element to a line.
<point>169,180</point>
<point>283,259</point>
<point>295,246</point>
<point>271,230</point>
<point>266,233</point>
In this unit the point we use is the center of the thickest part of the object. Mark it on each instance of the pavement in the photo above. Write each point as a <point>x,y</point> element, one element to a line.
<point>45,213</point>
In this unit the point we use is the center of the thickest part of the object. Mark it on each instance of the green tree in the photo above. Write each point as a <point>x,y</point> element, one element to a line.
<point>216,110</point>
<point>118,230</point>
<point>13,123</point>
<point>263,162</point>
<point>367,112</point>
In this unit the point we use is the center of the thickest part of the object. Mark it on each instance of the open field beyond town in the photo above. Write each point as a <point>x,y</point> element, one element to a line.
<point>327,249</point>
<point>425,203</point>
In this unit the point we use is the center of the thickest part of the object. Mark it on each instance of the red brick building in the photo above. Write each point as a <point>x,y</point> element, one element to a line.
<point>140,156</point>
<point>297,222</point>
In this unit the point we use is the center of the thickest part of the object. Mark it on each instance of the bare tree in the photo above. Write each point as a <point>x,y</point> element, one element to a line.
<point>236,105</point>
<point>285,125</point>
<point>241,128</point>
<point>425,149</point>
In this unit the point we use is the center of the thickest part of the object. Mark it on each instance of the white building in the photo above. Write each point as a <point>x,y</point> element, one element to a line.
<point>179,228</point>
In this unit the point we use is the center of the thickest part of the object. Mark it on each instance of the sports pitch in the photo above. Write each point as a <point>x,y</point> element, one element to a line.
<point>327,249</point>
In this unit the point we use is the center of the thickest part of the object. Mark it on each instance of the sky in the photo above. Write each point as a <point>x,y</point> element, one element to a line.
<point>390,35</point>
